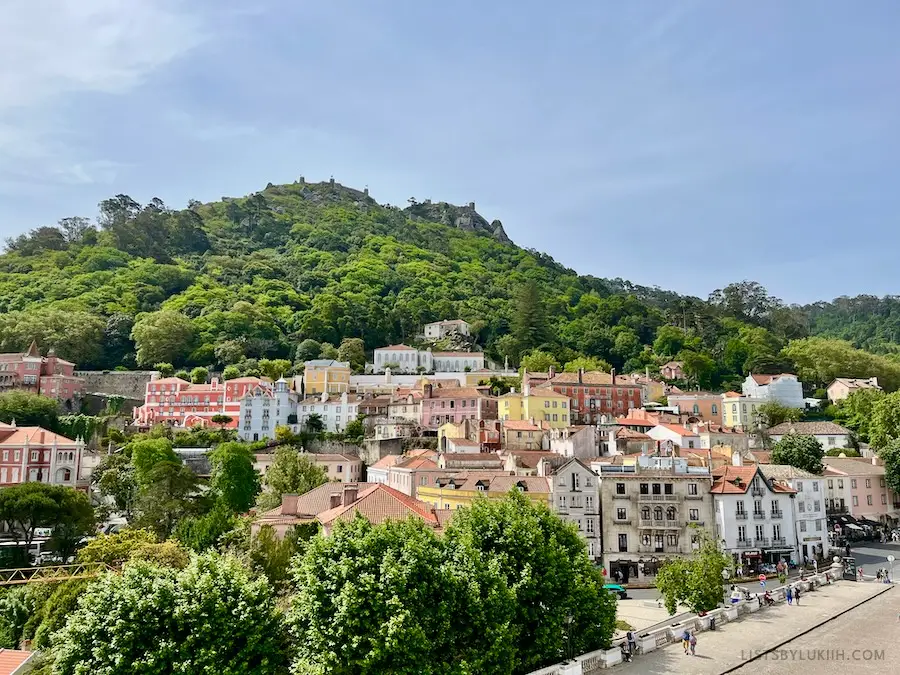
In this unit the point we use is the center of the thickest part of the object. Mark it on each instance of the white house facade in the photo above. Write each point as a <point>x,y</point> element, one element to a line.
<point>754,516</point>
<point>438,329</point>
<point>575,497</point>
<point>829,434</point>
<point>334,411</point>
<point>809,508</point>
<point>785,388</point>
<point>264,408</point>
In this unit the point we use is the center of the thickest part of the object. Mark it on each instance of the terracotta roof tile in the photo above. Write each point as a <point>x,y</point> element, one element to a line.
<point>810,428</point>
<point>378,504</point>
<point>387,461</point>
<point>13,659</point>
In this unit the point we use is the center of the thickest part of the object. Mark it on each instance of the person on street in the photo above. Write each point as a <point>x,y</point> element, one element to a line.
<point>878,575</point>
<point>686,641</point>
<point>693,642</point>
<point>797,595</point>
<point>632,642</point>
<point>789,595</point>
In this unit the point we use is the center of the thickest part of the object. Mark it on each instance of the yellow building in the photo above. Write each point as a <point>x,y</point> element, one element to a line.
<point>453,492</point>
<point>326,375</point>
<point>539,404</point>
<point>740,411</point>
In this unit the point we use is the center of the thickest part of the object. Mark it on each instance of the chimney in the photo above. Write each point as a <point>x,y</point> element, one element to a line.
<point>612,372</point>
<point>335,500</point>
<point>552,372</point>
<point>580,375</point>
<point>877,462</point>
<point>349,495</point>
<point>427,388</point>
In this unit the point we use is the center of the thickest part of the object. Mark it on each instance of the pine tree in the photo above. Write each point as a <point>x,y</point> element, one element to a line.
<point>529,324</point>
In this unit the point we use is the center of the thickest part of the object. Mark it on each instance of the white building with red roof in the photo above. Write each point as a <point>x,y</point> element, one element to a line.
<point>754,515</point>
<point>179,403</point>
<point>405,359</point>
<point>35,454</point>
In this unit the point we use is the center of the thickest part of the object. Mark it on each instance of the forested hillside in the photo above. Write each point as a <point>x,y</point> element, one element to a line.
<point>243,279</point>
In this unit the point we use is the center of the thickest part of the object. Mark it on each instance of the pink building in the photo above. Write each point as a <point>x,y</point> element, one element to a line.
<point>455,404</point>
<point>856,485</point>
<point>177,402</point>
<point>48,375</point>
<point>35,454</point>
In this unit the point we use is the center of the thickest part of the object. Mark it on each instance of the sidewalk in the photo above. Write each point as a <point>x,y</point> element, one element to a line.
<point>736,642</point>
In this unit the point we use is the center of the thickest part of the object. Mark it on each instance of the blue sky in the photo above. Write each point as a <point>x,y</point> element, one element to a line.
<point>682,144</point>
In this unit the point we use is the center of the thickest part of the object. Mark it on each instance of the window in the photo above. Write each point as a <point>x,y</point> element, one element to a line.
<point>760,531</point>
<point>776,531</point>
<point>696,409</point>
<point>803,526</point>
<point>340,468</point>
<point>34,455</point>
<point>17,455</point>
<point>853,483</point>
<point>855,500</point>
<point>667,488</point>
<point>840,483</point>
<point>620,514</point>
<point>555,417</point>
<point>645,513</point>
<point>623,543</point>
<point>884,499</point>
<point>868,482</point>
<point>690,444</point>
<point>775,508</point>
<point>546,404</point>
<point>657,513</point>
<point>694,514</point>
<point>588,502</point>
<point>620,488</point>
<point>589,524</point>
<point>831,440</point>
<point>869,500</point>
<point>670,513</point>
<point>423,480</point>
<point>645,488</point>
<point>757,506</point>
<point>818,525</point>
<point>882,482</point>
<point>801,506</point>
<point>742,533</point>
<point>740,506</point>
<point>562,501</point>
<point>692,488</point>
<point>715,409</point>
<point>799,486</point>
<point>671,540</point>
<point>657,488</point>
<point>658,542</point>
<point>5,457</point>
<point>554,404</point>
<point>815,486</point>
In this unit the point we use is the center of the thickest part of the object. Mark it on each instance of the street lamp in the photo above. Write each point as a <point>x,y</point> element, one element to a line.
<point>569,620</point>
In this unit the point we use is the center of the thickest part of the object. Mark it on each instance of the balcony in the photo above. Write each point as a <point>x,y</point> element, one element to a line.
<point>835,510</point>
<point>651,549</point>
<point>659,498</point>
<point>623,521</point>
<point>618,496</point>
<point>779,541</point>
<point>757,491</point>
<point>740,515</point>
<point>698,497</point>
<point>759,515</point>
<point>761,542</point>
<point>777,515</point>
<point>668,524</point>
<point>744,543</point>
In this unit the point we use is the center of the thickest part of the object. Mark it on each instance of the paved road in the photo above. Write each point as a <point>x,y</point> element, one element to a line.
<point>848,644</point>
<point>872,557</point>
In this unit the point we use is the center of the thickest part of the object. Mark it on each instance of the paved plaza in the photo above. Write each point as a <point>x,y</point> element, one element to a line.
<point>733,644</point>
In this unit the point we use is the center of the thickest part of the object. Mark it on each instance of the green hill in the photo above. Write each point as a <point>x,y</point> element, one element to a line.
<point>239,280</point>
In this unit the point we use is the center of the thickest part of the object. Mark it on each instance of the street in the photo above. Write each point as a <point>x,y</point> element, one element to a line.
<point>872,556</point>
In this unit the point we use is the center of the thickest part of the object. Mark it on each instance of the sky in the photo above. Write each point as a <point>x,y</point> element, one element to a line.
<point>685,144</point>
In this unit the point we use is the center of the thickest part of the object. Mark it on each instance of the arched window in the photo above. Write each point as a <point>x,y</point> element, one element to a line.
<point>670,513</point>
<point>657,513</point>
<point>696,409</point>
<point>645,513</point>
<point>63,475</point>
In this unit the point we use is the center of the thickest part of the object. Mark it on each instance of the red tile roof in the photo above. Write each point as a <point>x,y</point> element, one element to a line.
<point>681,431</point>
<point>523,425</point>
<point>417,463</point>
<point>378,504</point>
<point>387,462</point>
<point>725,476</point>
<point>458,392</point>
<point>34,436</point>
<point>766,379</point>
<point>395,348</point>
<point>460,354</point>
<point>13,659</point>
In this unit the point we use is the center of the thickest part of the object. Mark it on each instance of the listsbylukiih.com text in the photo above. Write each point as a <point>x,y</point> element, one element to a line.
<point>815,655</point>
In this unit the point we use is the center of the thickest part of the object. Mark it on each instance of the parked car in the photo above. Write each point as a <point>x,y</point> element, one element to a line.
<point>618,590</point>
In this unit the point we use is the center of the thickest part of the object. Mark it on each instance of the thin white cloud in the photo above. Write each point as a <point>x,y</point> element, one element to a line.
<point>52,49</point>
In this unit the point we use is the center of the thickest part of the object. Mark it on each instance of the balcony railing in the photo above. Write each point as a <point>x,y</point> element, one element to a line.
<point>829,510</point>
<point>761,541</point>
<point>741,515</point>
<point>759,515</point>
<point>757,491</point>
<point>744,543</point>
<point>618,496</point>
<point>659,498</point>
<point>623,521</point>
<point>779,541</point>
<point>653,522</point>
<point>777,515</point>
<point>693,496</point>
<point>651,549</point>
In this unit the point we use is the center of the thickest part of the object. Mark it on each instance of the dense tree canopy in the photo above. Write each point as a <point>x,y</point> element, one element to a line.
<point>293,271</point>
<point>291,473</point>
<point>210,617</point>
<point>800,451</point>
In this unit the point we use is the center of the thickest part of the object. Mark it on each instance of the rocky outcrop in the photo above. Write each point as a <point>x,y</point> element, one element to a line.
<point>464,218</point>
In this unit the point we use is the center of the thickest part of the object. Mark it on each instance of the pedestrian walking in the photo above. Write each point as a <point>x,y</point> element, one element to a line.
<point>632,642</point>
<point>797,596</point>
<point>878,575</point>
<point>789,595</point>
<point>693,644</point>
<point>686,641</point>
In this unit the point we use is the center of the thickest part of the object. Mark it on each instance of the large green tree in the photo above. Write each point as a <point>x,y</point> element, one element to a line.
<point>169,493</point>
<point>529,323</point>
<point>695,582</point>
<point>210,618</point>
<point>799,450</point>
<point>884,425</point>
<point>29,410</point>
<point>354,351</point>
<point>290,473</point>
<point>855,412</point>
<point>26,507</point>
<point>234,479</point>
<point>559,604</point>
<point>163,336</point>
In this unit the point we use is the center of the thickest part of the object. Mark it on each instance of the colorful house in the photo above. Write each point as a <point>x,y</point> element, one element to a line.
<point>49,375</point>
<point>179,403</point>
<point>33,454</point>
<point>454,491</point>
<point>326,375</point>
<point>535,405</point>
<point>455,404</point>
